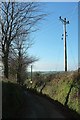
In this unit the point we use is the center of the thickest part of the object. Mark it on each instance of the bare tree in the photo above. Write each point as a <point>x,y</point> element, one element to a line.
<point>20,59</point>
<point>18,20</point>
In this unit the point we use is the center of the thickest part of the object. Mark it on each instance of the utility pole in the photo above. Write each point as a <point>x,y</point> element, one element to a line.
<point>65,44</point>
<point>31,73</point>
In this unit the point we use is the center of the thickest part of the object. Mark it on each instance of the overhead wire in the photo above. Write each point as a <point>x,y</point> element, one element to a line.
<point>58,26</point>
<point>71,53</point>
<point>71,17</point>
<point>69,44</point>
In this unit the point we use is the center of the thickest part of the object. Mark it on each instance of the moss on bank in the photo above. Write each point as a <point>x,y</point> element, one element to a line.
<point>58,88</point>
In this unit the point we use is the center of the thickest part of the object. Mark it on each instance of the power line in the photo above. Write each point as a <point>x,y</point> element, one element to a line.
<point>71,53</point>
<point>65,44</point>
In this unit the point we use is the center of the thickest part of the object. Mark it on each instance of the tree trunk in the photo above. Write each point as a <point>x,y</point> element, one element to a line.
<point>5,51</point>
<point>19,68</point>
<point>18,77</point>
<point>6,69</point>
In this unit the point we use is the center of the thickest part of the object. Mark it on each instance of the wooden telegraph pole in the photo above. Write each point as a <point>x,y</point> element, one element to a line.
<point>31,73</point>
<point>65,44</point>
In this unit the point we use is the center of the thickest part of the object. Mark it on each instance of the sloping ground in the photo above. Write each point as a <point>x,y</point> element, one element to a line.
<point>19,102</point>
<point>58,88</point>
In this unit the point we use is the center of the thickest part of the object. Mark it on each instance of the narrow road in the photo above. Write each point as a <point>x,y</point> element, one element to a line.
<point>39,107</point>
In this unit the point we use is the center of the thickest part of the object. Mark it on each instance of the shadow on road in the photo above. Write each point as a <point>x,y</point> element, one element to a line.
<point>66,111</point>
<point>19,102</point>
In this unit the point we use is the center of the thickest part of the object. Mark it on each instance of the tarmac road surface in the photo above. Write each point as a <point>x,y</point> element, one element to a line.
<point>39,107</point>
